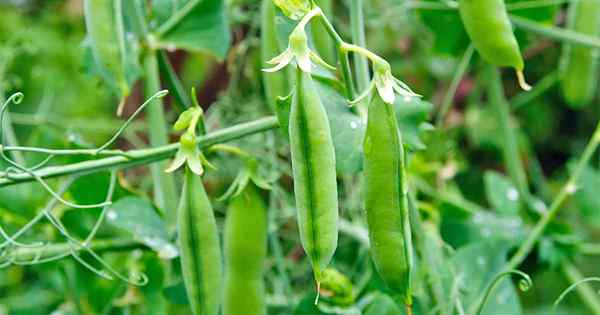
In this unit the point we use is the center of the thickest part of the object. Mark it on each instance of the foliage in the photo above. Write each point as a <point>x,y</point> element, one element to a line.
<point>499,179</point>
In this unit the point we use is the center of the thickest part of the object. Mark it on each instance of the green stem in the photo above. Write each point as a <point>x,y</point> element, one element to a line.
<point>510,146</point>
<point>145,156</point>
<point>568,189</point>
<point>584,290</point>
<point>560,34</point>
<point>467,206</point>
<point>342,57</point>
<point>165,195</point>
<point>540,88</point>
<point>177,17</point>
<point>458,76</point>
<point>590,249</point>
<point>33,253</point>
<point>182,101</point>
<point>357,25</point>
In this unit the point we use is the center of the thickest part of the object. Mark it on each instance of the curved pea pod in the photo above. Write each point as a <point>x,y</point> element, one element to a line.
<point>276,83</point>
<point>386,200</point>
<point>313,164</point>
<point>580,64</point>
<point>245,254</point>
<point>200,250</point>
<point>488,26</point>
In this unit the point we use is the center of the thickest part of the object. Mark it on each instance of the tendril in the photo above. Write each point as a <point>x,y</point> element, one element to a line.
<point>571,288</point>
<point>524,285</point>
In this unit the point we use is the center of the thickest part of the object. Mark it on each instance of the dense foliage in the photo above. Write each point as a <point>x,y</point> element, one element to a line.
<point>478,196</point>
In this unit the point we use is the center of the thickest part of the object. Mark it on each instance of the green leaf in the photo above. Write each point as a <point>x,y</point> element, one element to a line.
<point>587,197</point>
<point>412,115</point>
<point>196,25</point>
<point>482,226</point>
<point>347,130</point>
<point>447,30</point>
<point>502,195</point>
<point>476,267</point>
<point>138,217</point>
<point>383,304</point>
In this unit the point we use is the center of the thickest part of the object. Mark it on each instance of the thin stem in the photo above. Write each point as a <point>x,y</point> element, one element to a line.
<point>177,17</point>
<point>182,101</point>
<point>510,146</point>
<point>584,290</point>
<point>567,190</point>
<point>540,88</point>
<point>165,195</point>
<point>27,254</point>
<point>144,156</point>
<point>357,25</point>
<point>461,69</point>
<point>590,249</point>
<point>461,203</point>
<point>560,34</point>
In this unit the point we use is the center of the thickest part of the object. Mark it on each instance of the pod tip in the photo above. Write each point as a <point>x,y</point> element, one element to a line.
<point>318,292</point>
<point>522,83</point>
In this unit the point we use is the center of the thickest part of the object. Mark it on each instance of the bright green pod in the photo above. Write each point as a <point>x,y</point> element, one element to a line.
<point>313,164</point>
<point>101,23</point>
<point>386,200</point>
<point>275,83</point>
<point>245,254</point>
<point>200,250</point>
<point>580,64</point>
<point>488,26</point>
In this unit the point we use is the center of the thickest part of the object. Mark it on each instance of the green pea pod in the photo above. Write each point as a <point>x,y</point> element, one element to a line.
<point>102,21</point>
<point>245,254</point>
<point>275,83</point>
<point>200,249</point>
<point>488,26</point>
<point>313,164</point>
<point>580,64</point>
<point>386,200</point>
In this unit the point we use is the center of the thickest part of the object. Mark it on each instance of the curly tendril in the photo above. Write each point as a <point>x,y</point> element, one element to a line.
<point>524,285</point>
<point>571,288</point>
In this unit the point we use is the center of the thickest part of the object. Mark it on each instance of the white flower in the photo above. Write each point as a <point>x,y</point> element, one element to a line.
<point>386,85</point>
<point>188,152</point>
<point>298,49</point>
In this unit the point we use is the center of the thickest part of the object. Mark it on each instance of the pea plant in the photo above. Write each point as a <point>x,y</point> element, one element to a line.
<point>299,157</point>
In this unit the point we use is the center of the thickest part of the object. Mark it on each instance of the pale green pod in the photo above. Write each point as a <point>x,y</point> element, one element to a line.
<point>245,254</point>
<point>386,197</point>
<point>580,64</point>
<point>313,164</point>
<point>200,249</point>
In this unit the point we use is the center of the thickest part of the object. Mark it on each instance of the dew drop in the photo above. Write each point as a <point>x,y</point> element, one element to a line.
<point>111,215</point>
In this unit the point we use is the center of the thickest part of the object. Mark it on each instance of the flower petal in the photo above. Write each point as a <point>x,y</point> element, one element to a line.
<point>286,55</point>
<point>177,162</point>
<point>386,90</point>
<point>362,96</point>
<point>304,62</point>
<point>319,61</point>
<point>276,68</point>
<point>195,165</point>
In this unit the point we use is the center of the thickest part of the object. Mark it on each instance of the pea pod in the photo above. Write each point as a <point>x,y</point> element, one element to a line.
<point>386,200</point>
<point>490,30</point>
<point>102,24</point>
<point>580,64</point>
<point>313,164</point>
<point>200,249</point>
<point>245,254</point>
